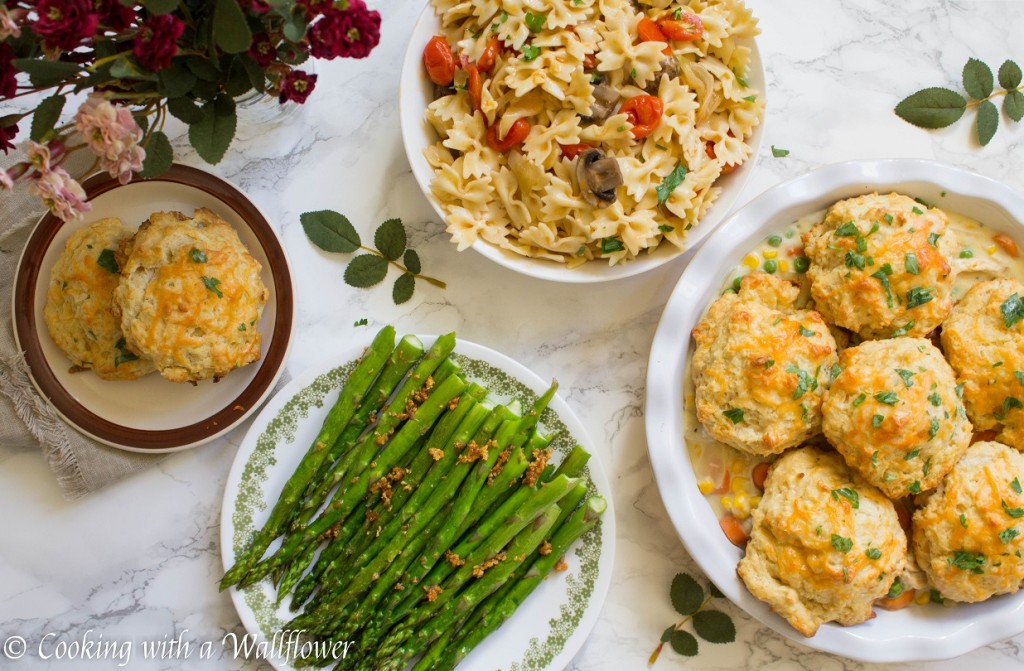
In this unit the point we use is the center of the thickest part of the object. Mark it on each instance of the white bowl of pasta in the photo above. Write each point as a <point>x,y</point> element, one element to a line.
<point>577,146</point>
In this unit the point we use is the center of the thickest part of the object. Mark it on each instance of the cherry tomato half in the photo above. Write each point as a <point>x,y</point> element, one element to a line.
<point>650,32</point>
<point>475,85</point>
<point>687,28</point>
<point>490,54</point>
<point>515,136</point>
<point>644,113</point>
<point>571,151</point>
<point>590,61</point>
<point>709,149</point>
<point>439,61</point>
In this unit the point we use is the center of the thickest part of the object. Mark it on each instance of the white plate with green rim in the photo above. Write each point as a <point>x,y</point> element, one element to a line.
<point>548,628</point>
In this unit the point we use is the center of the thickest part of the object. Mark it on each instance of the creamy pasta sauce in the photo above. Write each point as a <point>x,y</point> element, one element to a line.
<point>725,475</point>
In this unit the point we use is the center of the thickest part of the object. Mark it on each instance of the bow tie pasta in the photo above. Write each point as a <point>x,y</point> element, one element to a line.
<point>573,130</point>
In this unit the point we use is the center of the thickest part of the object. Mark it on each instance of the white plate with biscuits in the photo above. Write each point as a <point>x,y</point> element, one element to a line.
<point>151,413</point>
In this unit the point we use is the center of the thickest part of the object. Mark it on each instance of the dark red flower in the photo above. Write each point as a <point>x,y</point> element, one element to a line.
<point>296,86</point>
<point>115,16</point>
<point>8,75</point>
<point>262,50</point>
<point>7,134</point>
<point>64,24</point>
<point>256,6</point>
<point>314,8</point>
<point>157,41</point>
<point>349,33</point>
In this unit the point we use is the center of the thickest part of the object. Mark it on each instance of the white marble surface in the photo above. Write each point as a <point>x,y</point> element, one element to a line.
<point>139,560</point>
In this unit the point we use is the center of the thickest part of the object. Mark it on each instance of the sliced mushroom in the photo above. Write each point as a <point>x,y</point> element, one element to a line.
<point>703,84</point>
<point>606,99</point>
<point>598,176</point>
<point>669,68</point>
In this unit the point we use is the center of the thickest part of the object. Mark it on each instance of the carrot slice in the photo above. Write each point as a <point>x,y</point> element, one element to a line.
<point>734,530</point>
<point>1007,243</point>
<point>760,474</point>
<point>902,601</point>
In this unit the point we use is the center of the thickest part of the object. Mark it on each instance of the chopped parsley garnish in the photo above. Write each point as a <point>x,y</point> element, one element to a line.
<point>933,428</point>
<point>777,152</point>
<point>1009,403</point>
<point>860,399</point>
<point>887,397</point>
<point>883,279</point>
<point>911,454</point>
<point>1015,485</point>
<point>855,260</point>
<point>841,543</point>
<point>959,389</point>
<point>535,22</point>
<point>769,363</point>
<point>918,296</point>
<point>750,99</point>
<point>849,494</point>
<point>530,52</point>
<point>124,355</point>
<point>906,376</point>
<point>967,561</point>
<point>1015,513</point>
<point>197,255</point>
<point>933,238</point>
<point>361,322</point>
<point>834,371</point>
<point>241,327</point>
<point>611,245</point>
<point>903,330</point>
<point>211,284</point>
<point>935,399</point>
<point>805,332</point>
<point>665,228</point>
<point>632,73</point>
<point>916,210</point>
<point>896,589</point>
<point>1007,535</point>
<point>734,415</point>
<point>915,487</point>
<point>963,520</point>
<point>911,264</point>
<point>1012,309</point>
<point>107,262</point>
<point>847,230</point>
<point>873,553</point>
<point>927,467</point>
<point>804,381</point>
<point>669,184</point>
<point>888,218</point>
<point>876,420</point>
<point>874,459</point>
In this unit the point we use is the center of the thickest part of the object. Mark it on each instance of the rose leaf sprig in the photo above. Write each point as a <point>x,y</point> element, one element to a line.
<point>938,107</point>
<point>333,232</point>
<point>142,62</point>
<point>690,601</point>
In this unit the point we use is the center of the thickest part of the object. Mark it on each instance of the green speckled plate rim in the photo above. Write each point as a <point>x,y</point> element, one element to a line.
<point>277,424</point>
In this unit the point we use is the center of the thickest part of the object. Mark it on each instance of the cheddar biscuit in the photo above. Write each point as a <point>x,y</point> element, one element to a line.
<point>969,534</point>
<point>984,342</point>
<point>761,366</point>
<point>894,414</point>
<point>78,311</point>
<point>880,266</point>
<point>825,543</point>
<point>191,296</point>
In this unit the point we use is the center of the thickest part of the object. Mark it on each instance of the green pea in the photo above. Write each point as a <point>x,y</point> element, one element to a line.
<point>770,266</point>
<point>775,240</point>
<point>801,263</point>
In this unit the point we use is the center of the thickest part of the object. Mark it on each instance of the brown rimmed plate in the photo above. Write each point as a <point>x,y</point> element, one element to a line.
<point>152,414</point>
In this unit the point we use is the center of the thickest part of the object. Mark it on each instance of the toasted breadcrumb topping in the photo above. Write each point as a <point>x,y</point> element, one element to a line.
<point>545,548</point>
<point>436,453</point>
<point>536,467</point>
<point>432,592</point>
<point>499,465</point>
<point>453,559</point>
<point>480,569</point>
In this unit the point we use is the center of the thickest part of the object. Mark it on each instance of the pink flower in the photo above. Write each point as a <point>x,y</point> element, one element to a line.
<point>296,86</point>
<point>61,194</point>
<point>64,24</point>
<point>349,33</point>
<point>6,181</point>
<point>38,156</point>
<point>157,41</point>
<point>112,134</point>
<point>8,28</point>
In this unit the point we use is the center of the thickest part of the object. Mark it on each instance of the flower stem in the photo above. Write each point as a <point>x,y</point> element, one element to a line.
<point>432,280</point>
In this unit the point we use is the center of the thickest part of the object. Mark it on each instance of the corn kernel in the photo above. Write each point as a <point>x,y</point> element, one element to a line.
<point>922,597</point>
<point>750,261</point>
<point>738,486</point>
<point>783,265</point>
<point>770,254</point>
<point>706,486</point>
<point>991,250</point>
<point>741,502</point>
<point>738,466</point>
<point>726,502</point>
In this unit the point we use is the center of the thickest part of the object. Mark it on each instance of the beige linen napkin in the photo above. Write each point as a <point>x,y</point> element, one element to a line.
<point>81,464</point>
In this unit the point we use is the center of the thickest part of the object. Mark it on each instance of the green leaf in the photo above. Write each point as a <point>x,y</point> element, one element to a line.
<point>184,110</point>
<point>715,592</point>
<point>159,156</point>
<point>686,593</point>
<point>177,80</point>
<point>714,626</point>
<point>330,231</point>
<point>365,270</point>
<point>412,262</point>
<point>666,636</point>
<point>669,184</point>
<point>126,68</point>
<point>160,6</point>
<point>1013,105</point>
<point>212,135</point>
<point>44,73</point>
<point>256,76</point>
<point>988,121</point>
<point>934,107</point>
<point>238,82</point>
<point>294,28</point>
<point>230,29</point>
<point>46,117</point>
<point>142,120</point>
<point>404,286</point>
<point>978,79</point>
<point>1009,75</point>
<point>203,69</point>
<point>683,642</point>
<point>390,239</point>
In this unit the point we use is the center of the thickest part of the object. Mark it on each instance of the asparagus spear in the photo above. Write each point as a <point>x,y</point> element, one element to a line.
<point>394,451</point>
<point>337,418</point>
